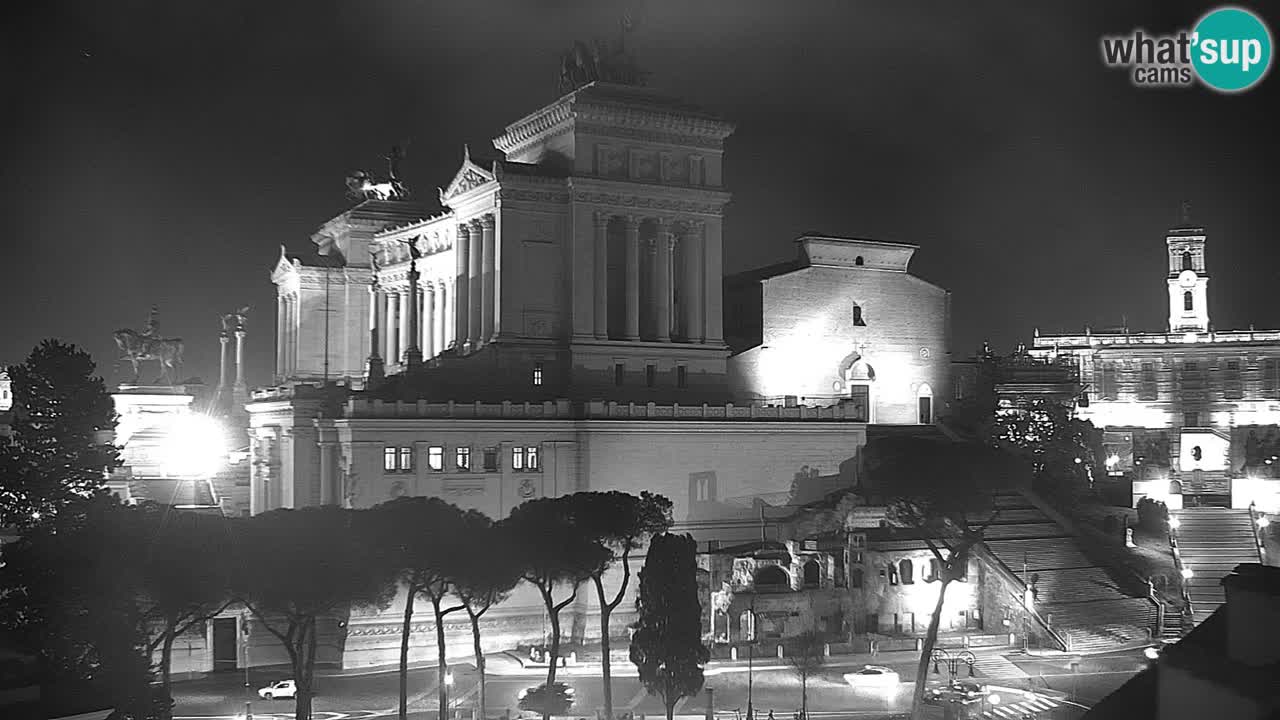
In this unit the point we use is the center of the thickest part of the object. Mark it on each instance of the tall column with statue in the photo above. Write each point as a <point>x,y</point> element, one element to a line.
<point>374,369</point>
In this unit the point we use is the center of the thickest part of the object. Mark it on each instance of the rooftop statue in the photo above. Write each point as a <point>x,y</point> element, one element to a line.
<point>363,186</point>
<point>584,64</point>
<point>149,345</point>
<point>235,321</point>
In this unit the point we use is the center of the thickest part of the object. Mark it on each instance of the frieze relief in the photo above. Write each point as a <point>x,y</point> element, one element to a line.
<point>462,488</point>
<point>683,206</point>
<point>644,165</point>
<point>675,169</point>
<point>610,162</point>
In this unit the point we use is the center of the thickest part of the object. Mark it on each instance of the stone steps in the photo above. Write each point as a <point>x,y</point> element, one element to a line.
<point>1212,542</point>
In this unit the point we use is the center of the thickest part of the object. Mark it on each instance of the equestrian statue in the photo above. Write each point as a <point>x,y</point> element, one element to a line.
<point>584,64</point>
<point>363,186</point>
<point>148,345</point>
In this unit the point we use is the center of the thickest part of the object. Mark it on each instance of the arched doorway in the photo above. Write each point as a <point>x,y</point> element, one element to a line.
<point>772,577</point>
<point>812,574</point>
<point>859,380</point>
<point>924,404</point>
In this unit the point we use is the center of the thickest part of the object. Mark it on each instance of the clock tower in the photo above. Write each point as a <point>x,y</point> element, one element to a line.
<point>1188,280</point>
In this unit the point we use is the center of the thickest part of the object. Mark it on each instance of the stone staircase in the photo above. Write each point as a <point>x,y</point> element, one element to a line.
<point>1080,600</point>
<point>1212,541</point>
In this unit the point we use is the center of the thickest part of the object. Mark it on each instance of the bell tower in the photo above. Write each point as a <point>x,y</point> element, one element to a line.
<point>1188,280</point>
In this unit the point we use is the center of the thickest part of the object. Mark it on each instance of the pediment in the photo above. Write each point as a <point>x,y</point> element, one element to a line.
<point>469,177</point>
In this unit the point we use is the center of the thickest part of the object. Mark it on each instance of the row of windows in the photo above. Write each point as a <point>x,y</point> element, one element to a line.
<point>524,458</point>
<point>620,375</point>
<point>1192,375</point>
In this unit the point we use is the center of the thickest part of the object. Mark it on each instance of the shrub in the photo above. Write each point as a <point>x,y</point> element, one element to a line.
<point>1153,515</point>
<point>554,701</point>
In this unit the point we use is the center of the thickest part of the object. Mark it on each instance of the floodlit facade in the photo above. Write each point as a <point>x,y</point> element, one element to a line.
<point>559,327</point>
<point>1191,414</point>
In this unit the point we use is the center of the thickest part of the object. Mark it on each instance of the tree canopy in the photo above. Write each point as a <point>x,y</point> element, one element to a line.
<point>63,416</point>
<point>667,644</point>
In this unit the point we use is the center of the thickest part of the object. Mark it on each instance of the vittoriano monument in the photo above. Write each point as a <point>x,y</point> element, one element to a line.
<point>136,347</point>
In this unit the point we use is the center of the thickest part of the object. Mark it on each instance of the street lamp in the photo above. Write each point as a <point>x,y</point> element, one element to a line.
<point>448,687</point>
<point>751,658</point>
<point>953,662</point>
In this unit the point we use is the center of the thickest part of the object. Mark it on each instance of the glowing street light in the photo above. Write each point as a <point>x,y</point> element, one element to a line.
<point>1174,523</point>
<point>1186,573</point>
<point>994,699</point>
<point>194,446</point>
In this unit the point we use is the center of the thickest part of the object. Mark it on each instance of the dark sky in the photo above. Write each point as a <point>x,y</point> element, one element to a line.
<point>160,152</point>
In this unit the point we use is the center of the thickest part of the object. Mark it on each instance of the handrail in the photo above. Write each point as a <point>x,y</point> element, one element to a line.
<point>1064,644</point>
<point>1257,531</point>
<point>1182,579</point>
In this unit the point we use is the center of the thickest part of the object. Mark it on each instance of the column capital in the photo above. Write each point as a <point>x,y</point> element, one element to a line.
<point>464,229</point>
<point>694,227</point>
<point>631,222</point>
<point>665,225</point>
<point>652,245</point>
<point>487,221</point>
<point>601,218</point>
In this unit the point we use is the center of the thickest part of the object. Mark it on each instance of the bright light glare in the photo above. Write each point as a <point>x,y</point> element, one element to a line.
<point>1186,573</point>
<point>194,446</point>
<point>1151,653</point>
<point>448,678</point>
<point>1175,523</point>
<point>1264,521</point>
<point>993,699</point>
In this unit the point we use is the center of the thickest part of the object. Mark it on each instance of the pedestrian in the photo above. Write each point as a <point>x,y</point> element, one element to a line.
<point>770,715</point>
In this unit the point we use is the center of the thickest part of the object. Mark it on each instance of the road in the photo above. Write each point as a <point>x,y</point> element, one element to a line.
<point>773,687</point>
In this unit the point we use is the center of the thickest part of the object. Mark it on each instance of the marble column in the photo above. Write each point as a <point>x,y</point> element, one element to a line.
<point>374,368</point>
<point>223,378</point>
<point>328,474</point>
<point>633,277</point>
<point>280,338</point>
<point>488,283</point>
<point>665,242</point>
<point>444,317</point>
<point>291,335</point>
<point>691,284</point>
<point>393,327</point>
<point>240,387</point>
<point>462,282</point>
<point>429,347</point>
<point>601,279</point>
<point>475,286</point>
<point>403,317</point>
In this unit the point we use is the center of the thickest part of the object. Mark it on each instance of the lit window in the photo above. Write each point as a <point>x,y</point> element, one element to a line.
<point>435,458</point>
<point>650,375</point>
<point>682,376</point>
<point>406,459</point>
<point>462,458</point>
<point>537,373</point>
<point>517,458</point>
<point>389,459</point>
<point>531,460</point>
<point>491,459</point>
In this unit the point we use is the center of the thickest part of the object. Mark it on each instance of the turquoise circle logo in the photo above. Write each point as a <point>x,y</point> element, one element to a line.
<point>1232,49</point>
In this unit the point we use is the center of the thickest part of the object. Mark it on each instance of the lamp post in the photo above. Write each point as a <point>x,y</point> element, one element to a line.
<point>953,662</point>
<point>751,658</point>
<point>448,690</point>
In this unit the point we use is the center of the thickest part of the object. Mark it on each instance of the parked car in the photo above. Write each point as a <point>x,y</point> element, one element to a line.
<point>961,691</point>
<point>872,676</point>
<point>282,689</point>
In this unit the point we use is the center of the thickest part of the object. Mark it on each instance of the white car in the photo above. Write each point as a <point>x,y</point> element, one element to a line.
<point>872,676</point>
<point>282,689</point>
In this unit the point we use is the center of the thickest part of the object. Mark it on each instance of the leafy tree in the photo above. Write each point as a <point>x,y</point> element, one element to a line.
<point>552,550</point>
<point>806,657</point>
<point>945,490</point>
<point>69,594</point>
<point>489,576</point>
<point>430,542</point>
<point>1058,446</point>
<point>182,560</point>
<point>298,566</point>
<point>620,522</point>
<point>62,415</point>
<point>667,644</point>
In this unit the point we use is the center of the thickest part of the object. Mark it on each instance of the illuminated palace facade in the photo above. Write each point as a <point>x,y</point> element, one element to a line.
<point>1190,414</point>
<point>560,327</point>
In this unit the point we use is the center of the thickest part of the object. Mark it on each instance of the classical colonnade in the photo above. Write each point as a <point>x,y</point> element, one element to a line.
<point>661,274</point>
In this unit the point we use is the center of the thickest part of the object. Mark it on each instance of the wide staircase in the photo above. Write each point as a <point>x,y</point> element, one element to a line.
<point>1079,599</point>
<point>1212,541</point>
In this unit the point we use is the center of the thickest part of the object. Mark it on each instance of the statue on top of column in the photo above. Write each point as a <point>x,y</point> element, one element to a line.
<point>361,185</point>
<point>584,64</point>
<point>235,321</point>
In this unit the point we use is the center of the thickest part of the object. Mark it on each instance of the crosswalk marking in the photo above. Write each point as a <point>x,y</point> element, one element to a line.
<point>1022,709</point>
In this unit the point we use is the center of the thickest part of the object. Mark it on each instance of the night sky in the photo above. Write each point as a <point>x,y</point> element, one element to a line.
<point>160,152</point>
